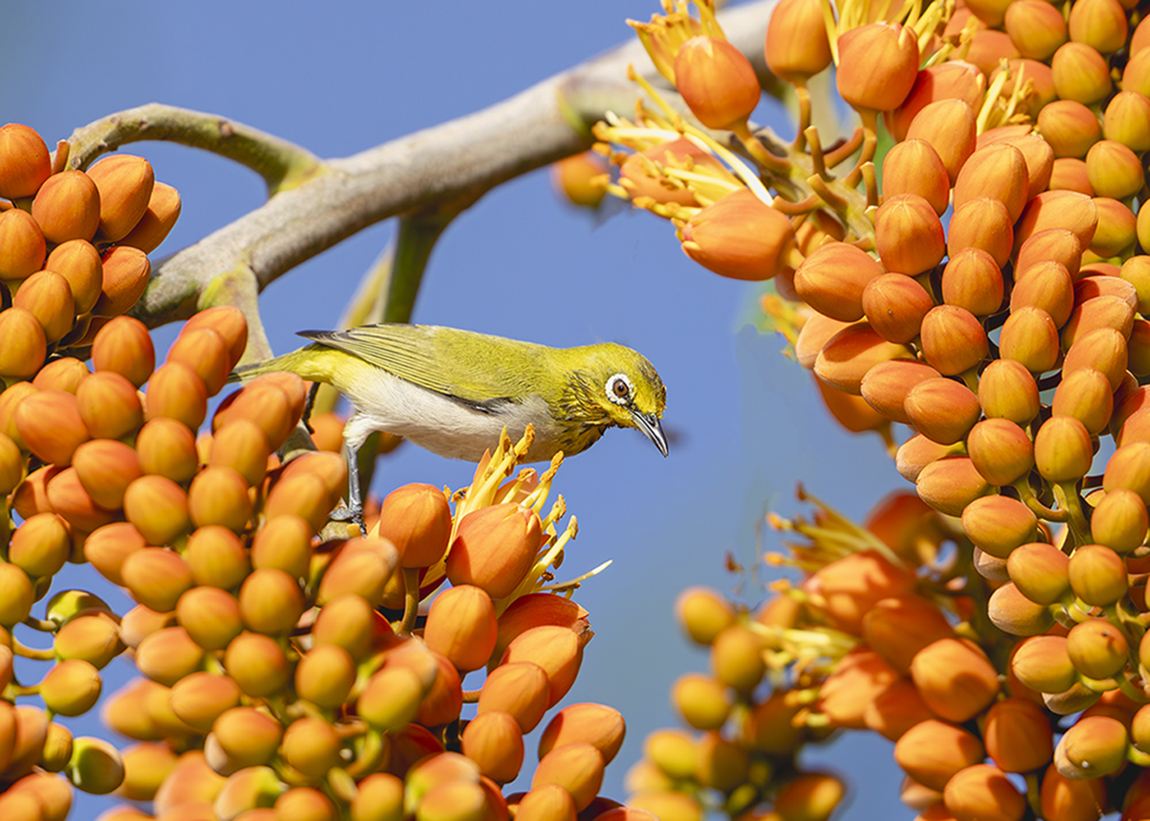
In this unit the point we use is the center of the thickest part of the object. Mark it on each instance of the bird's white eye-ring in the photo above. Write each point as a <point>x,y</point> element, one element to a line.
<point>619,389</point>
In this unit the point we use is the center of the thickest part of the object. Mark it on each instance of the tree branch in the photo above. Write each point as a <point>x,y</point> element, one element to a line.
<point>451,163</point>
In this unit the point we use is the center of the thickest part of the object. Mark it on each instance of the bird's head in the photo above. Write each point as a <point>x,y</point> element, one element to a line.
<point>615,386</point>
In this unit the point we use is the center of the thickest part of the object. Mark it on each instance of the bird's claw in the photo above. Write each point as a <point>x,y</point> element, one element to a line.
<point>351,514</point>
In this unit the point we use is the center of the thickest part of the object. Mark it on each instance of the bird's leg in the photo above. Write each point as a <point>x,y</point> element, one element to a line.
<point>354,510</point>
<point>309,405</point>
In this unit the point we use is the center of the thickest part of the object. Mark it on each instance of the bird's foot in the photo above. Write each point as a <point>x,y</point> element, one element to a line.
<point>351,514</point>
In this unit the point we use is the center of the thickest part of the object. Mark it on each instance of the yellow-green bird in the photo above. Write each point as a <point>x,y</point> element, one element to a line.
<point>453,391</point>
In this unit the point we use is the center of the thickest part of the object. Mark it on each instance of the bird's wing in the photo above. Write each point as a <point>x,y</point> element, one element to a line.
<point>444,360</point>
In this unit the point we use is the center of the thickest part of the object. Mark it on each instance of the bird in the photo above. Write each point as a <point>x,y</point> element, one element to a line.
<point>453,391</point>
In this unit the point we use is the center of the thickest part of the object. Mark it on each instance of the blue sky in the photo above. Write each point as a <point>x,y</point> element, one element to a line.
<point>339,78</point>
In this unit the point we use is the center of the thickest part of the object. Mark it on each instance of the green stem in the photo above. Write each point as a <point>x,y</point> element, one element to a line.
<point>410,600</point>
<point>1036,507</point>
<point>283,165</point>
<point>1068,499</point>
<point>413,245</point>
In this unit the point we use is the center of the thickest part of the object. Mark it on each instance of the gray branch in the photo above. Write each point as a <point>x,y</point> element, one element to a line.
<point>438,168</point>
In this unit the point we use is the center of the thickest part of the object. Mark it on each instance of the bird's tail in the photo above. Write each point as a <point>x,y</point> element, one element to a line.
<point>314,363</point>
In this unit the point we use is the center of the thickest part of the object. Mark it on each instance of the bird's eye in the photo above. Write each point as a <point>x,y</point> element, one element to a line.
<point>619,389</point>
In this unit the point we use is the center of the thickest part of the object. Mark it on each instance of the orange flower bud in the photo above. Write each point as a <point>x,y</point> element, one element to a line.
<point>739,237</point>
<point>47,296</point>
<point>50,426</point>
<point>703,613</point>
<point>933,751</point>
<point>494,548</point>
<point>950,484</point>
<point>833,278</point>
<point>1123,112</point>
<point>983,223</point>
<point>125,184</point>
<point>1080,73</point>
<point>1129,468</point>
<point>157,221</point>
<point>716,81</point>
<point>878,64</point>
<point>909,235</point>
<point>1097,649</point>
<point>519,688</point>
<point>461,625</point>
<point>1120,520</point>
<point>1001,451</point>
<point>64,374</point>
<point>266,404</point>
<point>548,801</point>
<point>534,610</point>
<point>391,698</point>
<point>284,543</point>
<point>257,663</point>
<point>205,352</point>
<point>1117,228</point>
<point>24,161</point>
<point>67,497</point>
<point>1018,735</point>
<point>156,577</point>
<point>1046,285</point>
<point>168,654</point>
<point>1069,174</point>
<point>999,524</point>
<point>1039,570</point>
<point>973,280</point>
<point>1072,799</point>
<point>247,735</point>
<point>241,445</point>
<point>167,447</point>
<point>949,127</point>
<point>79,263</point>
<point>577,767</point>
<point>270,601</point>
<point>983,791</point>
<point>417,519</point>
<point>109,405</point>
<point>210,615</point>
<point>105,468</point>
<point>1095,746</point>
<point>914,167</point>
<point>494,741</point>
<point>158,507</point>
<point>998,171</point>
<point>847,588</point>
<point>219,496</point>
<point>1113,170</point>
<point>125,276</point>
<point>22,245</point>
<point>896,709</point>
<point>1062,449</point>
<point>1059,209</point>
<point>898,627</point>
<point>851,353</point>
<point>67,207</point>
<point>796,46</point>
<point>124,346</point>
<point>1013,613</point>
<point>1097,575</point>
<point>176,392</point>
<point>1007,390</point>
<point>953,340</point>
<point>857,680</point>
<point>379,797</point>
<point>1035,28</point>
<point>31,495</point>
<point>1100,24</point>
<point>1067,125</point>
<point>557,650</point>
<point>953,80</point>
<point>41,545</point>
<point>1030,337</point>
<point>71,688</point>
<point>1085,394</point>
<point>311,746</point>
<point>704,702</point>
<point>942,410</point>
<point>954,678</point>
<point>325,675</point>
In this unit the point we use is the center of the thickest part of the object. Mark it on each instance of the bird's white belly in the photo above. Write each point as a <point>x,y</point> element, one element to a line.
<point>444,426</point>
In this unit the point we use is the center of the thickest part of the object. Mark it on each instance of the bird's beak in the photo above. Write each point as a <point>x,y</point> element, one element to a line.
<point>649,424</point>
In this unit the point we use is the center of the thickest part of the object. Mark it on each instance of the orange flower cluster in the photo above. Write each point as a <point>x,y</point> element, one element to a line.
<point>1011,338</point>
<point>272,685</point>
<point>73,246</point>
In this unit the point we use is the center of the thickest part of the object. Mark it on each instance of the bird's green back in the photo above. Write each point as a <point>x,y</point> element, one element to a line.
<point>445,360</point>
